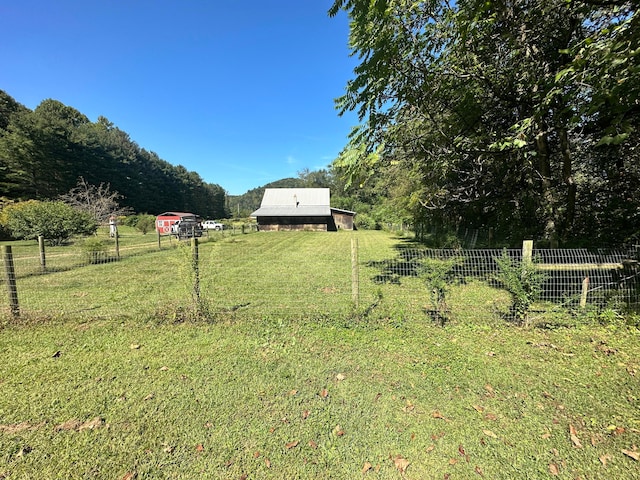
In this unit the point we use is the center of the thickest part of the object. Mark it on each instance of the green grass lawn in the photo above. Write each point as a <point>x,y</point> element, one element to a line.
<point>298,393</point>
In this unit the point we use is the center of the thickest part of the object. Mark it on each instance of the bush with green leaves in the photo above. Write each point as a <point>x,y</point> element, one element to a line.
<point>56,221</point>
<point>94,250</point>
<point>523,280</point>
<point>143,222</point>
<point>439,275</point>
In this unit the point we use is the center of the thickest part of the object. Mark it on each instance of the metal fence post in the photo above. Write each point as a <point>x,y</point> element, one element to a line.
<point>10,278</point>
<point>355,279</point>
<point>43,258</point>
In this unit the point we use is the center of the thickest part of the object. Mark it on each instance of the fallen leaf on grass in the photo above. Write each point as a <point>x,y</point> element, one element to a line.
<point>430,448</point>
<point>553,469</point>
<point>489,433</point>
<point>461,450</point>
<point>366,467</point>
<point>489,390</point>
<point>293,393</point>
<point>267,462</point>
<point>199,448</point>
<point>338,431</point>
<point>134,346</point>
<point>57,354</point>
<point>437,414</point>
<point>604,459</point>
<point>291,445</point>
<point>635,454</point>
<point>401,464</point>
<point>313,444</point>
<point>452,461</point>
<point>478,408</point>
<point>305,414</point>
<point>324,393</point>
<point>150,396</point>
<point>479,471</point>
<point>23,451</point>
<point>340,377</point>
<point>129,476</point>
<point>164,368</point>
<point>574,437</point>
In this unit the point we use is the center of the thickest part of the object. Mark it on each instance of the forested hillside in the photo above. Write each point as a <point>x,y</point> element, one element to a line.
<point>44,152</point>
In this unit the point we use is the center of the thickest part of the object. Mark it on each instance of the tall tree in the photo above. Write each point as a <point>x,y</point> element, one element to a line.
<point>474,100</point>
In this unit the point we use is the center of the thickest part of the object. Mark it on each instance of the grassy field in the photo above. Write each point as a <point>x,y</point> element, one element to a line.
<point>299,393</point>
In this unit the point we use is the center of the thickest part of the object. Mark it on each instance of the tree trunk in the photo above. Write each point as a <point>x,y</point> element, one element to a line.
<point>569,182</point>
<point>548,201</point>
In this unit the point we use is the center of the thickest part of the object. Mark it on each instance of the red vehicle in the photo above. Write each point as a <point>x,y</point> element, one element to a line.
<point>180,224</point>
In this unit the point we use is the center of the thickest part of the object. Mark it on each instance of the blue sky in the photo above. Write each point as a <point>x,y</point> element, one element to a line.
<point>240,92</point>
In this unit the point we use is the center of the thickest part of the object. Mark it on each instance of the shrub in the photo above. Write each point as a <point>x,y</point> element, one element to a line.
<point>522,280</point>
<point>94,249</point>
<point>438,275</point>
<point>55,221</point>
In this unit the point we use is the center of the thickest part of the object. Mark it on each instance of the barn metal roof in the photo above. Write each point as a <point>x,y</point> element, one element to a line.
<point>294,202</point>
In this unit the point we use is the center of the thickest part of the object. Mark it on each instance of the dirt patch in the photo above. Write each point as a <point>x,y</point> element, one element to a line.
<point>20,427</point>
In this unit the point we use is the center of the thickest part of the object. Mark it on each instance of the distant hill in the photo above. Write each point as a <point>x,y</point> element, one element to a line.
<point>43,153</point>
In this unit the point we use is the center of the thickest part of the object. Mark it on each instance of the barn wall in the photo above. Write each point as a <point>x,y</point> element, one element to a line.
<point>272,224</point>
<point>343,221</point>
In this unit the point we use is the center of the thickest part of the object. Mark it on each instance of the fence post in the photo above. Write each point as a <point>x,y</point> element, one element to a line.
<point>43,258</point>
<point>196,269</point>
<point>585,290</point>
<point>159,244</point>
<point>10,278</point>
<point>355,280</point>
<point>527,251</point>
<point>117,237</point>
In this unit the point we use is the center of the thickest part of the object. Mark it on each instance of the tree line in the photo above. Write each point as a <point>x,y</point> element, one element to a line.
<point>520,116</point>
<point>45,152</point>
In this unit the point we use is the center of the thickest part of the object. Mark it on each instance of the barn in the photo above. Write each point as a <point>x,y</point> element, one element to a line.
<point>300,209</point>
<point>166,220</point>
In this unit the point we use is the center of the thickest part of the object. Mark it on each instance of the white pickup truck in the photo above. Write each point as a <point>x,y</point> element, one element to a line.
<point>212,225</point>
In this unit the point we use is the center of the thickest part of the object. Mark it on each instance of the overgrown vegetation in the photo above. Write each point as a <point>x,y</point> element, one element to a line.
<point>439,274</point>
<point>522,280</point>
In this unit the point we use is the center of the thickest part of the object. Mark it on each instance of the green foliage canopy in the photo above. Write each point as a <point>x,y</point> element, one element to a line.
<point>55,221</point>
<point>521,116</point>
<point>44,152</point>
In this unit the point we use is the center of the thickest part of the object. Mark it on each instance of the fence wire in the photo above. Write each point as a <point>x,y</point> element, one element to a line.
<point>249,280</point>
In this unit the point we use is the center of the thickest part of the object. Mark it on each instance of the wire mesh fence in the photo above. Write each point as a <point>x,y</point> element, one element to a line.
<point>280,275</point>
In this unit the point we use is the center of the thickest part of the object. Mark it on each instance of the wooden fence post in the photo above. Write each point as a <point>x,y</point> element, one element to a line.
<point>117,238</point>
<point>585,291</point>
<point>196,269</point>
<point>10,278</point>
<point>355,279</point>
<point>43,258</point>
<point>527,251</point>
